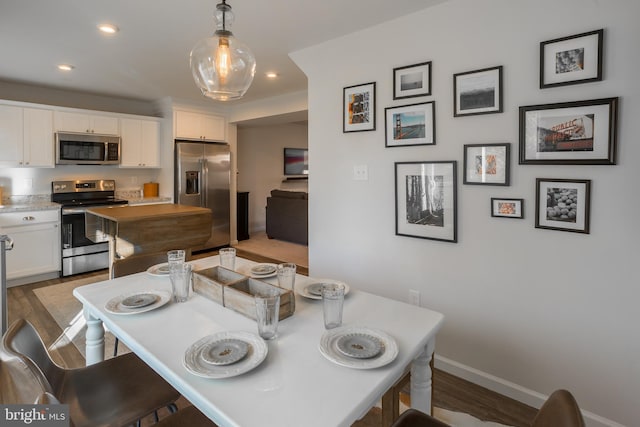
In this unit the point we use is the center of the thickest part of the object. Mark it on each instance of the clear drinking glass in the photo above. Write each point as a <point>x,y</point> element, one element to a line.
<point>286,275</point>
<point>268,313</point>
<point>180,275</point>
<point>227,258</point>
<point>175,257</point>
<point>332,302</point>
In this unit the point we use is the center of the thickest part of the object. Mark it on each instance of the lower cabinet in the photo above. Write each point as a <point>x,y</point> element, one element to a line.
<point>36,243</point>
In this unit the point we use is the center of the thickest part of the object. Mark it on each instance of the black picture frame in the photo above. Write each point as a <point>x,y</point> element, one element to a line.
<point>426,200</point>
<point>487,164</point>
<point>478,92</point>
<point>413,124</point>
<point>569,133</point>
<point>359,108</point>
<point>563,204</point>
<point>571,60</point>
<point>412,81</point>
<point>507,208</point>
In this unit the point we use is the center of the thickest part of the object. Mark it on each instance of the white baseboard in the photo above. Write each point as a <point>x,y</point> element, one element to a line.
<point>509,389</point>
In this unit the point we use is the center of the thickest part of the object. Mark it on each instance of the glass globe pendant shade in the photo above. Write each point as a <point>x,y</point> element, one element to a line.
<point>223,67</point>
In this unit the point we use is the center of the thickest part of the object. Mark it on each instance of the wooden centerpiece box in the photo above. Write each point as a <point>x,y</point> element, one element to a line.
<point>210,282</point>
<point>237,291</point>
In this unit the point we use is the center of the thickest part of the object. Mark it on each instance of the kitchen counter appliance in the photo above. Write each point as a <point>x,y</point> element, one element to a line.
<point>202,178</point>
<point>79,253</point>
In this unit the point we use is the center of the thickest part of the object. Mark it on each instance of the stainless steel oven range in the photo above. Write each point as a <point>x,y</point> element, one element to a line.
<point>79,254</point>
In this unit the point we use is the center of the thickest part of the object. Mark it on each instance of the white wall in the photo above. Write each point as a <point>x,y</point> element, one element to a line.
<point>530,308</point>
<point>260,165</point>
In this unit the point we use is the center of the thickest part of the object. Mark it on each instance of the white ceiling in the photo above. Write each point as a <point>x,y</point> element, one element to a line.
<point>148,59</point>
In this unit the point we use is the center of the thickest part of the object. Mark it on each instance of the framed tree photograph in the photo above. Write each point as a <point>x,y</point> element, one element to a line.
<point>507,208</point>
<point>477,92</point>
<point>571,60</point>
<point>359,108</point>
<point>486,164</point>
<point>410,125</point>
<point>426,200</point>
<point>569,133</point>
<point>563,204</point>
<point>412,80</point>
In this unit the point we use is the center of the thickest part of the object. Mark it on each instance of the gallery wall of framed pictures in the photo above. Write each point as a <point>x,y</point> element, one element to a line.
<point>574,132</point>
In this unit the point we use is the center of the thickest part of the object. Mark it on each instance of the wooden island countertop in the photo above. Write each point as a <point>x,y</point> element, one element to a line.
<point>133,230</point>
<point>137,213</point>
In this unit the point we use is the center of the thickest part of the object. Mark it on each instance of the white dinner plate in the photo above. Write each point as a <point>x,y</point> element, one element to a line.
<point>159,269</point>
<point>312,290</point>
<point>261,271</point>
<point>195,363</point>
<point>329,347</point>
<point>115,306</point>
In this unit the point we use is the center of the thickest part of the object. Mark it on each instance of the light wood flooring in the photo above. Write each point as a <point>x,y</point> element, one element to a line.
<point>450,392</point>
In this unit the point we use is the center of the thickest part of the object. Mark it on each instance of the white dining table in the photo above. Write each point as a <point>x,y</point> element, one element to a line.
<point>295,385</point>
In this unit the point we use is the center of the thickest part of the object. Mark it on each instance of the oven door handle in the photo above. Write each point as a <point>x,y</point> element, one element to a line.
<point>73,211</point>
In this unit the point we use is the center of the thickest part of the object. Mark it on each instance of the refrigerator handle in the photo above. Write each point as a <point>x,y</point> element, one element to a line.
<point>204,182</point>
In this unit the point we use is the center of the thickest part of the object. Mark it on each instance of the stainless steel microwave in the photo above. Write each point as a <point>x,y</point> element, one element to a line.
<point>87,149</point>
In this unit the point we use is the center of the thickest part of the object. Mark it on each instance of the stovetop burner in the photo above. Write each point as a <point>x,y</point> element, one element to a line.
<point>93,202</point>
<point>85,193</point>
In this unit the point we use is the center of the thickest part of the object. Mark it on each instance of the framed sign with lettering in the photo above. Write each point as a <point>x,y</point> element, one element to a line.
<point>569,133</point>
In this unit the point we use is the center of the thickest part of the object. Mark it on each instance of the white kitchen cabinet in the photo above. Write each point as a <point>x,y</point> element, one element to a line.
<point>26,137</point>
<point>36,242</point>
<point>140,143</point>
<point>200,126</point>
<point>11,136</point>
<point>66,121</point>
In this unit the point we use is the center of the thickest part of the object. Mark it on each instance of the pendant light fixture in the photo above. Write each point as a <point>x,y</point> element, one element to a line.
<point>223,67</point>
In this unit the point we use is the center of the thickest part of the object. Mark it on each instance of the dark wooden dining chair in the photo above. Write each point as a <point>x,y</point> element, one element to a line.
<point>559,410</point>
<point>186,417</point>
<point>116,392</point>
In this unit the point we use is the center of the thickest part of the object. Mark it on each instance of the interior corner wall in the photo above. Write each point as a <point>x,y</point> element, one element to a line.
<point>539,309</point>
<point>261,165</point>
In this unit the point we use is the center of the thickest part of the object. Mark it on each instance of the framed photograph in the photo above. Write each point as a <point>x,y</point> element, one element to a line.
<point>477,92</point>
<point>486,164</point>
<point>426,200</point>
<point>359,108</point>
<point>571,60</point>
<point>563,204</point>
<point>569,133</point>
<point>412,80</point>
<point>410,125</point>
<point>507,208</point>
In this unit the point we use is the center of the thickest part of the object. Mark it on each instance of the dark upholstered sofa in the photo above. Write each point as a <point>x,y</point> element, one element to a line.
<point>288,216</point>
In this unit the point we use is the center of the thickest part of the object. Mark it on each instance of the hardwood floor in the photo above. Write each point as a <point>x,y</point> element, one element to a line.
<point>450,392</point>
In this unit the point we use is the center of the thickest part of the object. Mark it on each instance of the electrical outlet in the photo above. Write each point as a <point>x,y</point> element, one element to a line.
<point>134,180</point>
<point>360,173</point>
<point>414,297</point>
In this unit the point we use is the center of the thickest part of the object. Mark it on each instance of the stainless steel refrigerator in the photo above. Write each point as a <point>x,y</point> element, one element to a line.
<point>202,178</point>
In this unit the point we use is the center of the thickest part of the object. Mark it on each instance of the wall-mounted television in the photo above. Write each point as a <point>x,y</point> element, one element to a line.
<point>296,162</point>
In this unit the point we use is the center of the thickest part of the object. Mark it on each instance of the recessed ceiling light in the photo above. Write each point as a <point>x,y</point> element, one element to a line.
<point>271,75</point>
<point>108,28</point>
<point>66,67</point>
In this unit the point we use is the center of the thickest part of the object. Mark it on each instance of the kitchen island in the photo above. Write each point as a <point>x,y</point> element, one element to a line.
<point>148,228</point>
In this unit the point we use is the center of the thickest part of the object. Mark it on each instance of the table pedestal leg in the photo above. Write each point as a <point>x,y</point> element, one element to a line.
<point>421,384</point>
<point>94,348</point>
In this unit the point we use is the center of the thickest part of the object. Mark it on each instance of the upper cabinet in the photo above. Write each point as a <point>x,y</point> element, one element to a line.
<point>200,126</point>
<point>86,123</point>
<point>26,137</point>
<point>140,143</point>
